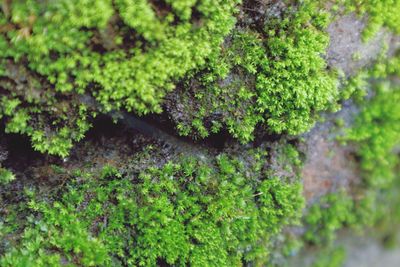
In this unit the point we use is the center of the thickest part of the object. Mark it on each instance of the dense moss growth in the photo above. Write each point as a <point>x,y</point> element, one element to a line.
<point>274,76</point>
<point>63,62</point>
<point>126,54</point>
<point>131,54</point>
<point>221,213</point>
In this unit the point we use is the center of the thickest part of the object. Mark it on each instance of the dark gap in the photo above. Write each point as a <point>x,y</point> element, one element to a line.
<point>196,16</point>
<point>161,7</point>
<point>130,37</point>
<point>162,263</point>
<point>254,14</point>
<point>219,139</point>
<point>6,85</point>
<point>262,136</point>
<point>103,126</point>
<point>164,124</point>
<point>96,43</point>
<point>108,142</point>
<point>21,155</point>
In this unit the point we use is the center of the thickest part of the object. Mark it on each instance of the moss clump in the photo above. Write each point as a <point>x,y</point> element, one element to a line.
<point>190,212</point>
<point>126,54</point>
<point>377,131</point>
<point>275,76</point>
<point>6,176</point>
<point>52,129</point>
<point>294,84</point>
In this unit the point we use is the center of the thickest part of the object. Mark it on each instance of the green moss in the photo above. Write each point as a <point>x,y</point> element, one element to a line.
<point>375,133</point>
<point>223,211</point>
<point>127,55</point>
<point>190,212</point>
<point>130,54</point>
<point>332,212</point>
<point>355,87</point>
<point>331,257</point>
<point>275,77</point>
<point>66,127</point>
<point>6,176</point>
<point>124,77</point>
<point>383,13</point>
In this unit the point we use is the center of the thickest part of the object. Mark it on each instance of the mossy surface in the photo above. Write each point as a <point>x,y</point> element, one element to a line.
<point>384,13</point>
<point>6,176</point>
<point>375,135</point>
<point>63,62</point>
<point>130,54</point>
<point>126,54</point>
<point>193,212</point>
<point>274,76</point>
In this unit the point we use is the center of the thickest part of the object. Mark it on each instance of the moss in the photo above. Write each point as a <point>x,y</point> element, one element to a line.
<point>189,212</point>
<point>355,87</point>
<point>52,134</point>
<point>6,176</point>
<point>379,14</point>
<point>127,55</point>
<point>130,54</point>
<point>333,212</point>
<point>273,77</point>
<point>331,257</point>
<point>375,134</point>
<point>224,210</point>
